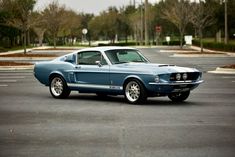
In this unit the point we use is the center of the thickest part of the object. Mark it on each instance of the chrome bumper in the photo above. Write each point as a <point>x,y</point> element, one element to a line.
<point>177,83</point>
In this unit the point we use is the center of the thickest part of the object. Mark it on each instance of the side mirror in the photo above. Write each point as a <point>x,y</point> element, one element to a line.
<point>98,63</point>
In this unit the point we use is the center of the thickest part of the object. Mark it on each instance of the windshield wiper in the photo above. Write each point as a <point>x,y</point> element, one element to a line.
<point>137,61</point>
<point>120,62</point>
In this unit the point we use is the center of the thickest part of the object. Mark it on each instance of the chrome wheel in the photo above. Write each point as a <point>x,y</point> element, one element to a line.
<point>132,91</point>
<point>57,86</point>
<point>135,92</point>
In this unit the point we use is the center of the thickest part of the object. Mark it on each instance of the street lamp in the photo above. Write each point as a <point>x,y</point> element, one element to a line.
<point>225,22</point>
<point>141,21</point>
<point>146,22</point>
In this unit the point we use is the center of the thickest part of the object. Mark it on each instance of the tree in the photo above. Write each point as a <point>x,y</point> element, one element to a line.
<point>85,20</point>
<point>106,24</point>
<point>38,26</point>
<point>177,12</point>
<point>124,24</point>
<point>19,15</point>
<point>71,24</point>
<point>53,15</point>
<point>202,16</point>
<point>110,25</point>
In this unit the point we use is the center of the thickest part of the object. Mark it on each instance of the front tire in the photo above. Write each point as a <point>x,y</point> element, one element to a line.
<point>58,87</point>
<point>179,97</point>
<point>135,92</point>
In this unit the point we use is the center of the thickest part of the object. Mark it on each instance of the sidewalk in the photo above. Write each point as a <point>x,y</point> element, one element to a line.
<point>14,51</point>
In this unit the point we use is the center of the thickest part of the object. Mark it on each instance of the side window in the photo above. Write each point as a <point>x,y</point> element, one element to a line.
<point>90,58</point>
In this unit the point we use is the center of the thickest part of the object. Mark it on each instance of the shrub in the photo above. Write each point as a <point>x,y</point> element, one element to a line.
<point>118,44</point>
<point>216,46</point>
<point>2,49</point>
<point>172,42</point>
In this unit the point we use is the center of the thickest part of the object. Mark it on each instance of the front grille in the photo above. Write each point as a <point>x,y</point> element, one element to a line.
<point>191,76</point>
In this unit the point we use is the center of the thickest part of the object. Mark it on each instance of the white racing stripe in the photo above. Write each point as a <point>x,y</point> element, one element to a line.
<point>94,86</point>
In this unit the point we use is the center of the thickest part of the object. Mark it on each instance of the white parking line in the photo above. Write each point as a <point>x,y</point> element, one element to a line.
<point>3,85</point>
<point>228,77</point>
<point>12,77</point>
<point>233,81</point>
<point>15,74</point>
<point>8,81</point>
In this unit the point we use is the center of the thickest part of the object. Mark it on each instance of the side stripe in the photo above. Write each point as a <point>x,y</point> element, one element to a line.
<point>94,86</point>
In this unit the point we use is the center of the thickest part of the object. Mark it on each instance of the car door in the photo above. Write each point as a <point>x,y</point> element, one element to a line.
<point>92,71</point>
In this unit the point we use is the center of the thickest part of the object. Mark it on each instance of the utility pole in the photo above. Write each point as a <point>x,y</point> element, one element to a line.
<point>141,24</point>
<point>225,21</point>
<point>146,22</point>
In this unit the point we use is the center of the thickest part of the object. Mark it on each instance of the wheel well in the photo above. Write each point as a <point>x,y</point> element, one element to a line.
<point>53,75</point>
<point>132,78</point>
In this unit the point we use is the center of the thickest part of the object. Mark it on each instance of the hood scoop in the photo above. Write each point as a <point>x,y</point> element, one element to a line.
<point>166,65</point>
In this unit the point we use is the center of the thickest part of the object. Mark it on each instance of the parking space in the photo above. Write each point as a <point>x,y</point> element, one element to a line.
<point>8,78</point>
<point>32,123</point>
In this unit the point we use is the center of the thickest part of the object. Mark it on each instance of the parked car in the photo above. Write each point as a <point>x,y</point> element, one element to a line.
<point>116,71</point>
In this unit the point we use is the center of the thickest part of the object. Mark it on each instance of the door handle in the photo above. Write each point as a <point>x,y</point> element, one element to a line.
<point>78,67</point>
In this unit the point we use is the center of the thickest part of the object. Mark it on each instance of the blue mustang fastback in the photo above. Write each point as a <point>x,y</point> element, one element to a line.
<point>116,71</point>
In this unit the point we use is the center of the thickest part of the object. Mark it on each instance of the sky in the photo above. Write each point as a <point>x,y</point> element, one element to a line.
<point>89,6</point>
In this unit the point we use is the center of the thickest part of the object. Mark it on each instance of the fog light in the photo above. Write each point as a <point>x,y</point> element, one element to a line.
<point>185,76</point>
<point>178,77</point>
<point>157,79</point>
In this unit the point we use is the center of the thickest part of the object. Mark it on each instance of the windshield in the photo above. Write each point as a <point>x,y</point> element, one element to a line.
<point>124,56</point>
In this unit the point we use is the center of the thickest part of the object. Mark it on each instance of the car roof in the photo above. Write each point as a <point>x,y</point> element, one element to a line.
<point>105,48</point>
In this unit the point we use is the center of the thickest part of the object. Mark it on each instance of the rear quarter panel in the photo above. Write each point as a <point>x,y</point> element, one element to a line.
<point>43,70</point>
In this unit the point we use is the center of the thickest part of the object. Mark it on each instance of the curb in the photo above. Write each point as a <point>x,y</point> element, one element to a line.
<point>26,58</point>
<point>222,71</point>
<point>14,52</point>
<point>208,50</point>
<point>52,51</point>
<point>201,55</point>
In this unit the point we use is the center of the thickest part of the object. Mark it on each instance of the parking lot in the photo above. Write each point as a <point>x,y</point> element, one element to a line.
<point>32,123</point>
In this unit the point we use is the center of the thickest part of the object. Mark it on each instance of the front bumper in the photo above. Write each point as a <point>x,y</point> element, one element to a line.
<point>172,87</point>
<point>177,83</point>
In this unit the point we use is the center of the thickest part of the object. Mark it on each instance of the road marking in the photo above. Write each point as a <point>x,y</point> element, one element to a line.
<point>233,81</point>
<point>3,85</point>
<point>12,77</point>
<point>228,77</point>
<point>8,81</point>
<point>15,74</point>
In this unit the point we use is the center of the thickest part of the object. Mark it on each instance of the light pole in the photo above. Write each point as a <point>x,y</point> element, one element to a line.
<point>225,22</point>
<point>141,21</point>
<point>141,24</point>
<point>146,22</point>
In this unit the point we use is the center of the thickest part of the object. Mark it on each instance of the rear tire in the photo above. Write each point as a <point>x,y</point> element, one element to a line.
<point>179,97</point>
<point>135,92</point>
<point>58,87</point>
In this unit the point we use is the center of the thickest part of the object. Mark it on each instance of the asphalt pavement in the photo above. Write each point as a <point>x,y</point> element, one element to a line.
<point>32,123</point>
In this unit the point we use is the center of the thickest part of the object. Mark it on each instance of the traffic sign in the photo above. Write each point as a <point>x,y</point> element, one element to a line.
<point>158,28</point>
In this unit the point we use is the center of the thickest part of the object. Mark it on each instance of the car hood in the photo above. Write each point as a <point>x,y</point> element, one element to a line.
<point>151,68</point>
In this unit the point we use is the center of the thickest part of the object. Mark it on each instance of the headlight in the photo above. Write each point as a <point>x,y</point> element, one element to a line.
<point>178,77</point>
<point>185,76</point>
<point>157,79</point>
